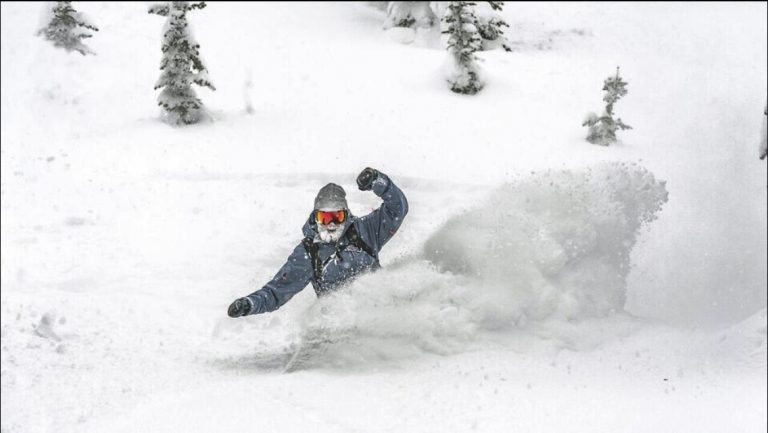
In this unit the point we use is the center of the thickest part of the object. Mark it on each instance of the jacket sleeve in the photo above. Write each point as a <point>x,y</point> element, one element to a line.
<point>380,225</point>
<point>295,274</point>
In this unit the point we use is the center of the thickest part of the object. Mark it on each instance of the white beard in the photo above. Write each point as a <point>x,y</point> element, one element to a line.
<point>330,233</point>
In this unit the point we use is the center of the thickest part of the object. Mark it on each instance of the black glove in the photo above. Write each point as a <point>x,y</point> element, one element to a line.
<point>240,307</point>
<point>366,177</point>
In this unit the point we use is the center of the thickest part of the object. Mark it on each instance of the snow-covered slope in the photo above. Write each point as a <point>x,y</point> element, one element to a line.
<point>539,283</point>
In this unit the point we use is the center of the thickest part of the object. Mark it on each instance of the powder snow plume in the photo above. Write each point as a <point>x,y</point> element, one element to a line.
<point>554,246</point>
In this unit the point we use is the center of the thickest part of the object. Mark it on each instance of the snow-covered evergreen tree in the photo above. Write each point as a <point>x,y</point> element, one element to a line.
<point>181,64</point>
<point>409,14</point>
<point>602,129</point>
<point>67,27</point>
<point>491,27</point>
<point>463,42</point>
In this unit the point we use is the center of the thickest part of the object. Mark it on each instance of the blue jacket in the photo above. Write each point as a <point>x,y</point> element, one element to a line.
<point>348,260</point>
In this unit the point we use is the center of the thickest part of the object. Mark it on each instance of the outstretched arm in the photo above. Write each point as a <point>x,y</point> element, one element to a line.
<point>380,225</point>
<point>295,274</point>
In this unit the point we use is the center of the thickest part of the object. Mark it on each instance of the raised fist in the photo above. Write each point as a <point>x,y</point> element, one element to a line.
<point>366,177</point>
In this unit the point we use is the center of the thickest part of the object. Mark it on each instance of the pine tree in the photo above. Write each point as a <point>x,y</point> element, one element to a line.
<point>463,42</point>
<point>67,28</point>
<point>181,65</point>
<point>409,14</point>
<point>491,28</point>
<point>602,129</point>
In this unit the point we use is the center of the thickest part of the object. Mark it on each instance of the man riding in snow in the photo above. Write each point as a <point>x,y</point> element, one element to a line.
<point>336,247</point>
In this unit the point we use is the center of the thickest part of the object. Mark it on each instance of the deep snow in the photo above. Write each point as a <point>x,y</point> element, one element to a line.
<point>539,283</point>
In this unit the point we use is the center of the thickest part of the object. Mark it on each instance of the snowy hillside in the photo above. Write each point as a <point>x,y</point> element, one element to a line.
<point>539,283</point>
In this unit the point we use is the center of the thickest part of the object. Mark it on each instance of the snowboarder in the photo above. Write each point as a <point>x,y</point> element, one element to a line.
<point>336,247</point>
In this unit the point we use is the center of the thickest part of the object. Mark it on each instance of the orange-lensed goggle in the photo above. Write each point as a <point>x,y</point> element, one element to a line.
<point>324,217</point>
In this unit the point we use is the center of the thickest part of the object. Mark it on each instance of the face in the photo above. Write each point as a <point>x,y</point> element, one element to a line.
<point>330,224</point>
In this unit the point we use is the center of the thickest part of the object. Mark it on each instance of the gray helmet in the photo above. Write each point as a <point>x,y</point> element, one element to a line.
<point>331,197</point>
